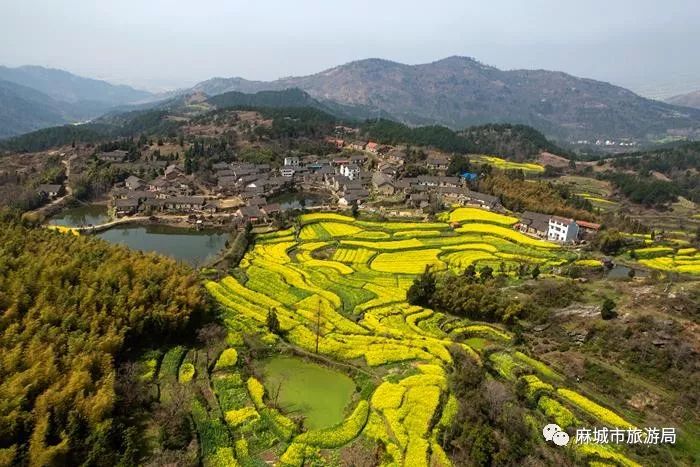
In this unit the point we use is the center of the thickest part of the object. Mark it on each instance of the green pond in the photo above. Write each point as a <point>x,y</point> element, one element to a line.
<point>90,214</point>
<point>317,392</point>
<point>190,246</point>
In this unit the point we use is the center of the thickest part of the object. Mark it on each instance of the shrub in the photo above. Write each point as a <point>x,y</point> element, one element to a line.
<point>227,360</point>
<point>256,391</point>
<point>240,416</point>
<point>186,372</point>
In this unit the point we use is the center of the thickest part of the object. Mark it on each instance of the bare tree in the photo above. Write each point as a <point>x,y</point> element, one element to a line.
<point>210,336</point>
<point>496,394</point>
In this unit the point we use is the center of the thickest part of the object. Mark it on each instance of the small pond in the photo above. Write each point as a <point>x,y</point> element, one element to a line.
<point>298,200</point>
<point>89,214</point>
<point>191,246</point>
<point>317,392</point>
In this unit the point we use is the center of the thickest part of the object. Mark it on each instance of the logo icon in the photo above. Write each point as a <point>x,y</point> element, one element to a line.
<point>555,434</point>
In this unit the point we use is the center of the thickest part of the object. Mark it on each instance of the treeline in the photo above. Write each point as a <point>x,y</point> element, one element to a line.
<point>264,99</point>
<point>679,163</point>
<point>646,190</point>
<point>518,194</point>
<point>151,122</point>
<point>72,307</point>
<point>518,142</point>
<point>478,293</point>
<point>41,140</point>
<point>666,161</point>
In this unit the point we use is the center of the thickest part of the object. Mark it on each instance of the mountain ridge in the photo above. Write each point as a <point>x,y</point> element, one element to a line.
<point>690,99</point>
<point>461,91</point>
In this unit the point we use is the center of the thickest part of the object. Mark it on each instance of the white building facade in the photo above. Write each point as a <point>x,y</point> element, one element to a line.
<point>562,230</point>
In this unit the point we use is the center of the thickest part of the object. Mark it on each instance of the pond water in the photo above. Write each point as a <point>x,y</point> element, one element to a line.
<point>89,214</point>
<point>317,392</point>
<point>298,200</point>
<point>191,246</point>
<point>622,272</point>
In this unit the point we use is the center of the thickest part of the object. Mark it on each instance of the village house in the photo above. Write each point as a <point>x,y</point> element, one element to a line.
<point>250,214</point>
<point>173,171</point>
<point>419,200</point>
<point>351,198</point>
<point>291,161</point>
<point>383,184</point>
<point>217,166</point>
<point>352,171</point>
<point>562,229</point>
<point>126,207</point>
<point>534,223</point>
<point>184,203</point>
<point>587,229</point>
<point>372,147</point>
<point>271,209</point>
<point>357,146</point>
<point>338,143</point>
<point>482,200</point>
<point>435,181</point>
<point>453,195</point>
<point>134,183</point>
<point>52,191</point>
<point>287,171</point>
<point>158,184</point>
<point>113,156</point>
<point>438,162</point>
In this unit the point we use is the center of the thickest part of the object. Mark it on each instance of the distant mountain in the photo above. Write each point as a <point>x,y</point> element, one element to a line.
<point>691,99</point>
<point>23,109</point>
<point>64,86</point>
<point>460,92</point>
<point>33,97</point>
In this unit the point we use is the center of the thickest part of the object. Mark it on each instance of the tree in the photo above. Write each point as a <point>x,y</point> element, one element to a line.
<point>502,269</point>
<point>273,323</point>
<point>209,335</point>
<point>355,209</point>
<point>607,310</point>
<point>536,272</point>
<point>470,273</point>
<point>422,290</point>
<point>458,165</point>
<point>486,273</point>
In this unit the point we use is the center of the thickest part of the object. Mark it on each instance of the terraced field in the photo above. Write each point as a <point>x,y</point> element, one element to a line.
<point>503,164</point>
<point>664,258</point>
<point>336,288</point>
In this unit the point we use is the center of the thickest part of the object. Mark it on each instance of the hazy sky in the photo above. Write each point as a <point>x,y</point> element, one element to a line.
<point>649,46</point>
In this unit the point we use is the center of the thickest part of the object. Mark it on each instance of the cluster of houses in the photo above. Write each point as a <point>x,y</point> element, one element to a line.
<point>172,191</point>
<point>346,177</point>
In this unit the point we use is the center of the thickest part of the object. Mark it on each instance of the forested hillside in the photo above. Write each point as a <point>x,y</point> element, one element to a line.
<point>70,309</point>
<point>517,142</point>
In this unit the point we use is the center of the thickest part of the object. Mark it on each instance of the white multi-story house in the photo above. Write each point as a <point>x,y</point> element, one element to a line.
<point>562,230</point>
<point>292,161</point>
<point>352,171</point>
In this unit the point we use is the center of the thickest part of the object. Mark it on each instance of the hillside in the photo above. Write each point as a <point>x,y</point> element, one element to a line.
<point>64,86</point>
<point>23,109</point>
<point>691,99</point>
<point>459,92</point>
